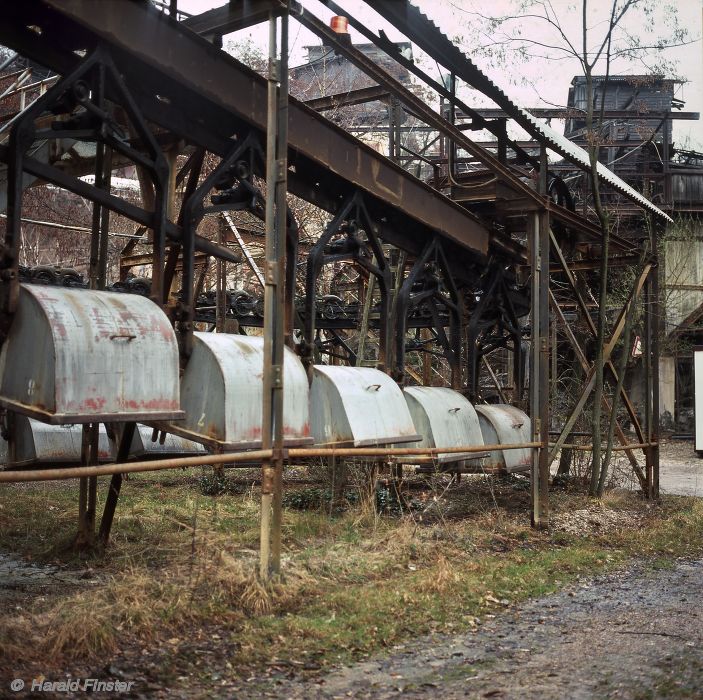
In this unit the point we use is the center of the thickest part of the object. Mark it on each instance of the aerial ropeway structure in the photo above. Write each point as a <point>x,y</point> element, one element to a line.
<point>94,375</point>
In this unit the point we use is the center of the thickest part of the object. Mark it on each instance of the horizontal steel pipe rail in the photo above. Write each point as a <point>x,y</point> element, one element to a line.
<point>307,452</point>
<point>233,458</point>
<point>616,448</point>
<point>131,467</point>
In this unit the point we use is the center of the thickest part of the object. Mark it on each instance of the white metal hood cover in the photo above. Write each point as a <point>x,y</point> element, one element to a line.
<point>444,418</point>
<point>358,406</point>
<point>222,394</point>
<point>78,356</point>
<point>502,424</point>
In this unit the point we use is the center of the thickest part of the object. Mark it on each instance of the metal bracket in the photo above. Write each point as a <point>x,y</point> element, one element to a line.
<point>277,376</point>
<point>279,454</point>
<point>267,479</point>
<point>271,273</point>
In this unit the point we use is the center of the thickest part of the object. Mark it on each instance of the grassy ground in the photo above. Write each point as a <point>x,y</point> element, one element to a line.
<point>181,562</point>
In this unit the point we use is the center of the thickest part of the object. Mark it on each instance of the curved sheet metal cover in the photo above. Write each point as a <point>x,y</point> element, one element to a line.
<point>502,424</point>
<point>172,445</point>
<point>444,418</point>
<point>358,406</point>
<point>38,443</point>
<point>222,394</point>
<point>78,356</point>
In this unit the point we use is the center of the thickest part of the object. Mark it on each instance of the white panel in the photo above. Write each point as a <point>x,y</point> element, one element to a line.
<point>511,426</point>
<point>444,418</point>
<point>698,373</point>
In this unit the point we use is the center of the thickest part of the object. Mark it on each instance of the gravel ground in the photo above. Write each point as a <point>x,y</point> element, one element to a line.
<point>637,633</point>
<point>634,634</point>
<point>680,469</point>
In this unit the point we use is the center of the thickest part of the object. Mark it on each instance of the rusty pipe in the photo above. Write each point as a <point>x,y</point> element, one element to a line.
<point>307,452</point>
<point>253,456</point>
<point>128,468</point>
<point>616,448</point>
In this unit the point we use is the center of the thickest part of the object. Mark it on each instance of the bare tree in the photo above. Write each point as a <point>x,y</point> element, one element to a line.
<point>592,40</point>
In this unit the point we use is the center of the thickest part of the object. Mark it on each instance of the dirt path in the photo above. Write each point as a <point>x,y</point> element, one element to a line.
<point>634,634</point>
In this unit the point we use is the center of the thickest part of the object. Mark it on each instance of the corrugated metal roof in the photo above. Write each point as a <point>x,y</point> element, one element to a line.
<point>424,32</point>
<point>576,154</point>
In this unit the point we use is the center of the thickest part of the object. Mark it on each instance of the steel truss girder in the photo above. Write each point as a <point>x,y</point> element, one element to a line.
<point>352,217</point>
<point>84,87</point>
<point>407,301</point>
<point>336,341</point>
<point>418,107</point>
<point>237,16</point>
<point>594,333</point>
<point>327,164</point>
<point>97,70</point>
<point>607,352</point>
<point>192,213</point>
<point>585,365</point>
<point>496,296</point>
<point>113,203</point>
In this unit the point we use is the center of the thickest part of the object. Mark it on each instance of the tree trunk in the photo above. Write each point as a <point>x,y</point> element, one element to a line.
<point>621,369</point>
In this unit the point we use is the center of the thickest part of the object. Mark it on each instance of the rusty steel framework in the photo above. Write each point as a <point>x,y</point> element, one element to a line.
<point>464,258</point>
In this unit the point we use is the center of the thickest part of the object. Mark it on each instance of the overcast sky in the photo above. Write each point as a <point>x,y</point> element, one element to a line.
<point>537,81</point>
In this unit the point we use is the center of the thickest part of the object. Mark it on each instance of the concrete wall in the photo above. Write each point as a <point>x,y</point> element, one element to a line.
<point>683,267</point>
<point>667,387</point>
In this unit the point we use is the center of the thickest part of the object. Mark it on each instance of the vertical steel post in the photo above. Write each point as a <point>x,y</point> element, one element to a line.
<point>98,280</point>
<point>544,319</point>
<point>88,487</point>
<point>97,209</point>
<point>84,531</point>
<point>170,277</point>
<point>657,334</point>
<point>539,354</point>
<point>221,283</point>
<point>103,249</point>
<point>93,480</point>
<point>83,536</point>
<point>652,331</point>
<point>274,312</point>
<point>648,389</point>
<point>281,226</point>
<point>533,241</point>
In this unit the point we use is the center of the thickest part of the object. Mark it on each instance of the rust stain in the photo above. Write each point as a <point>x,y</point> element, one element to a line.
<point>247,349</point>
<point>213,431</point>
<point>95,404</point>
<point>253,433</point>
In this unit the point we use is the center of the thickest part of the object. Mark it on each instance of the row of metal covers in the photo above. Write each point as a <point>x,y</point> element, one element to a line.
<point>360,407</point>
<point>75,356</point>
<point>39,443</point>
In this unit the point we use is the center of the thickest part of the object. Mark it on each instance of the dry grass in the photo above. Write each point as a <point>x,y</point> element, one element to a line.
<point>353,583</point>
